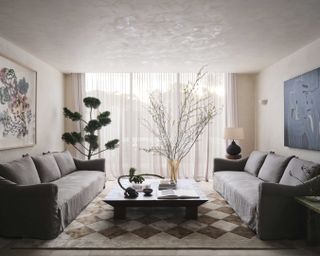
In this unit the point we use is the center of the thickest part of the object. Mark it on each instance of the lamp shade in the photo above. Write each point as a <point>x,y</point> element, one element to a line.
<point>233,133</point>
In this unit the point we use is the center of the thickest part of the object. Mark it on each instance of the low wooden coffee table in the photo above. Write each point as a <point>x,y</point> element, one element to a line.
<point>116,199</point>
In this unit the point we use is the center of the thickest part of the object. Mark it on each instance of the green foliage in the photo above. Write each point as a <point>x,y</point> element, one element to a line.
<point>72,138</point>
<point>92,140</point>
<point>92,126</point>
<point>104,118</point>
<point>74,116</point>
<point>88,135</point>
<point>138,179</point>
<point>91,102</point>
<point>112,144</point>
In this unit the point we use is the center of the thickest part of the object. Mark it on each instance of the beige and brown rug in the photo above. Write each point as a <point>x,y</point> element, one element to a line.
<point>216,227</point>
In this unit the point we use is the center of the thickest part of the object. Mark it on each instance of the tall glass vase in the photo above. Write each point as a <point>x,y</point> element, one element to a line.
<point>174,169</point>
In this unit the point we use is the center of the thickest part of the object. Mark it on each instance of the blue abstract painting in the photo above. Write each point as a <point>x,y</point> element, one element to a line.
<point>302,111</point>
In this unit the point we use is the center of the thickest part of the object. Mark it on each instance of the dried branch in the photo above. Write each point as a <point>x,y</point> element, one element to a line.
<point>177,137</point>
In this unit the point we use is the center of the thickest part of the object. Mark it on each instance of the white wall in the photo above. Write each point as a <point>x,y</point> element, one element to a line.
<point>245,85</point>
<point>269,85</point>
<point>50,100</point>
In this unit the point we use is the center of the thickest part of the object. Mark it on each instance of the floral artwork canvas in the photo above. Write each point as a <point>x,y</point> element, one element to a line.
<point>17,105</point>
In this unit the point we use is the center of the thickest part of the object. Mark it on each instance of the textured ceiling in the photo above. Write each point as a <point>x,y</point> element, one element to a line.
<point>160,35</point>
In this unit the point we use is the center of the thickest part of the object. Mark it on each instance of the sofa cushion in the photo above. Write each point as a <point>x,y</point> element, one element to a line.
<point>47,168</point>
<point>21,171</point>
<point>65,162</point>
<point>255,162</point>
<point>299,171</point>
<point>76,190</point>
<point>4,181</point>
<point>241,191</point>
<point>273,167</point>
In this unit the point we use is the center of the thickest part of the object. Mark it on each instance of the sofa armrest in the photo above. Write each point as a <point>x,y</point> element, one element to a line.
<point>96,164</point>
<point>221,164</point>
<point>275,189</point>
<point>29,211</point>
<point>279,215</point>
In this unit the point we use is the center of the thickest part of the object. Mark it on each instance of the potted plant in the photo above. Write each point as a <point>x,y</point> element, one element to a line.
<point>136,179</point>
<point>86,141</point>
<point>177,136</point>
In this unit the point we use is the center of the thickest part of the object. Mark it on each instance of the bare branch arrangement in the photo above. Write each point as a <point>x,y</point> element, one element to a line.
<point>177,136</point>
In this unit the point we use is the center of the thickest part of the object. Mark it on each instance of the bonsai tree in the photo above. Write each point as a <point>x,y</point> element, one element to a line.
<point>86,141</point>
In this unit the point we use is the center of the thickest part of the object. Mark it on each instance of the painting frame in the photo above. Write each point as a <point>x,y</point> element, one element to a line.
<point>302,111</point>
<point>26,81</point>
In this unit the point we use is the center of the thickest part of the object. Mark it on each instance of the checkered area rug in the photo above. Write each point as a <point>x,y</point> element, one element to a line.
<point>217,226</point>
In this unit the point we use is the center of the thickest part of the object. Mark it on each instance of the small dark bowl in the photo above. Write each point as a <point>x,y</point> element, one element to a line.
<point>147,191</point>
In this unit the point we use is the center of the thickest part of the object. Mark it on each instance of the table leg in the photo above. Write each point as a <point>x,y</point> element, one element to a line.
<point>119,212</point>
<point>192,212</point>
<point>311,228</point>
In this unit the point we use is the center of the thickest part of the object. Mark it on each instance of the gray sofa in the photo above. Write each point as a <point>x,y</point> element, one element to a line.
<point>40,196</point>
<point>261,190</point>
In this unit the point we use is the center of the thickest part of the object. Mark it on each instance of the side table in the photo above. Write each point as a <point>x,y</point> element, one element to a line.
<point>313,219</point>
<point>233,157</point>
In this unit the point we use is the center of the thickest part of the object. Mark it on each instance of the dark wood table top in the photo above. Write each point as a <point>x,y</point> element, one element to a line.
<point>307,201</point>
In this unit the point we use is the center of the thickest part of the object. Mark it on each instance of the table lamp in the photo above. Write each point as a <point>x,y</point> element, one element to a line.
<point>233,150</point>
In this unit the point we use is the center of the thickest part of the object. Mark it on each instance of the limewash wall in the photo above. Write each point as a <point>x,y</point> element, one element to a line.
<point>269,121</point>
<point>50,100</point>
<point>246,103</point>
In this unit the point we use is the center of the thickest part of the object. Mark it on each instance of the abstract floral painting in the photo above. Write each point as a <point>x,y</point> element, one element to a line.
<point>17,105</point>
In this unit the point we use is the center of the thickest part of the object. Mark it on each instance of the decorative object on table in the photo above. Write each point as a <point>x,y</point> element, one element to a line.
<point>167,184</point>
<point>177,136</point>
<point>147,191</point>
<point>130,193</point>
<point>233,150</point>
<point>88,135</point>
<point>18,90</point>
<point>306,174</point>
<point>178,194</point>
<point>301,111</point>
<point>135,178</point>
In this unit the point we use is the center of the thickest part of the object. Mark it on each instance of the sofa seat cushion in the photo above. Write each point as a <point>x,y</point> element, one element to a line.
<point>273,167</point>
<point>47,167</point>
<point>299,171</point>
<point>65,162</point>
<point>241,191</point>
<point>21,171</point>
<point>255,162</point>
<point>76,190</point>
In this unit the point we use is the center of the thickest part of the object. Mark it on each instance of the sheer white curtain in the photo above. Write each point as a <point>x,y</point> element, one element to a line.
<point>126,96</point>
<point>75,85</point>
<point>231,93</point>
<point>231,100</point>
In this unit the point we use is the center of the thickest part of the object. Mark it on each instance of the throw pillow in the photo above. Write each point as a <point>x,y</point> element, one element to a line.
<point>47,168</point>
<point>273,167</point>
<point>299,171</point>
<point>21,171</point>
<point>4,181</point>
<point>65,162</point>
<point>255,162</point>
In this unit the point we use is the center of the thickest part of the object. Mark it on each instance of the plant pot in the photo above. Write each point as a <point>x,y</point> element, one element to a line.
<point>138,187</point>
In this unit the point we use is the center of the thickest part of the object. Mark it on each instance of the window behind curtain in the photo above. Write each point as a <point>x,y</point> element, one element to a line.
<point>126,96</point>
